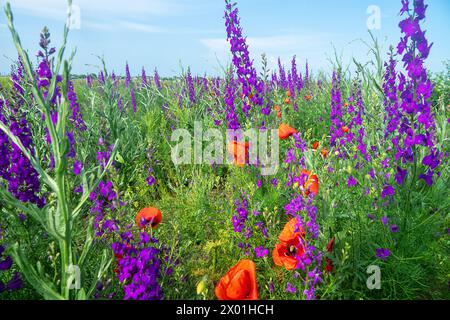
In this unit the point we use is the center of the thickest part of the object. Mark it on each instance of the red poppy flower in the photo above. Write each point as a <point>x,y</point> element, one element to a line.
<point>312,183</point>
<point>239,283</point>
<point>324,153</point>
<point>285,131</point>
<point>290,248</point>
<point>292,230</point>
<point>345,129</point>
<point>148,216</point>
<point>315,145</point>
<point>287,254</point>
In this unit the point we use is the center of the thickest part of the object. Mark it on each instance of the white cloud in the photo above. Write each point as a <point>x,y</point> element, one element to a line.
<point>140,27</point>
<point>57,9</point>
<point>47,8</point>
<point>112,15</point>
<point>218,46</point>
<point>97,25</point>
<point>120,26</point>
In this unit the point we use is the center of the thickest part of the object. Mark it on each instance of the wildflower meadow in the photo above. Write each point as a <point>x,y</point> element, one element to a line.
<point>273,183</point>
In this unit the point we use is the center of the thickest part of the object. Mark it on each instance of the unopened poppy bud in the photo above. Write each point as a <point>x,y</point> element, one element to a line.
<point>201,287</point>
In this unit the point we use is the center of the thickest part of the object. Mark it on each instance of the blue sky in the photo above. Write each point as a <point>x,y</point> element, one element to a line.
<point>168,34</point>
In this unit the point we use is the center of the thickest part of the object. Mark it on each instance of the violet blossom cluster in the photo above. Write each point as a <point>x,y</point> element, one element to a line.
<point>245,223</point>
<point>354,111</point>
<point>410,123</point>
<point>101,78</point>
<point>336,115</point>
<point>129,85</point>
<point>239,220</point>
<point>127,75</point>
<point>138,267</point>
<point>44,77</point>
<point>144,77</point>
<point>230,108</point>
<point>104,200</point>
<point>297,80</point>
<point>190,86</point>
<point>133,99</point>
<point>252,88</point>
<point>76,117</point>
<point>290,81</point>
<point>282,80</point>
<point>15,168</point>
<point>157,80</point>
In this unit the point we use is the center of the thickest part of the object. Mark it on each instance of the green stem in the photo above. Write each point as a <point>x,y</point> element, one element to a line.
<point>66,243</point>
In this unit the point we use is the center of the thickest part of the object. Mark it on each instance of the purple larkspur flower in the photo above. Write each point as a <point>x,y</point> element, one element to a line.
<point>388,191</point>
<point>190,86</point>
<point>336,115</point>
<point>139,268</point>
<point>77,167</point>
<point>351,182</point>
<point>143,77</point>
<point>261,252</point>
<point>394,228</point>
<point>290,288</point>
<point>6,263</point>
<point>410,121</point>
<point>21,178</point>
<point>151,180</point>
<point>15,283</point>
<point>252,87</point>
<point>382,253</point>
<point>157,80</point>
<point>127,75</point>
